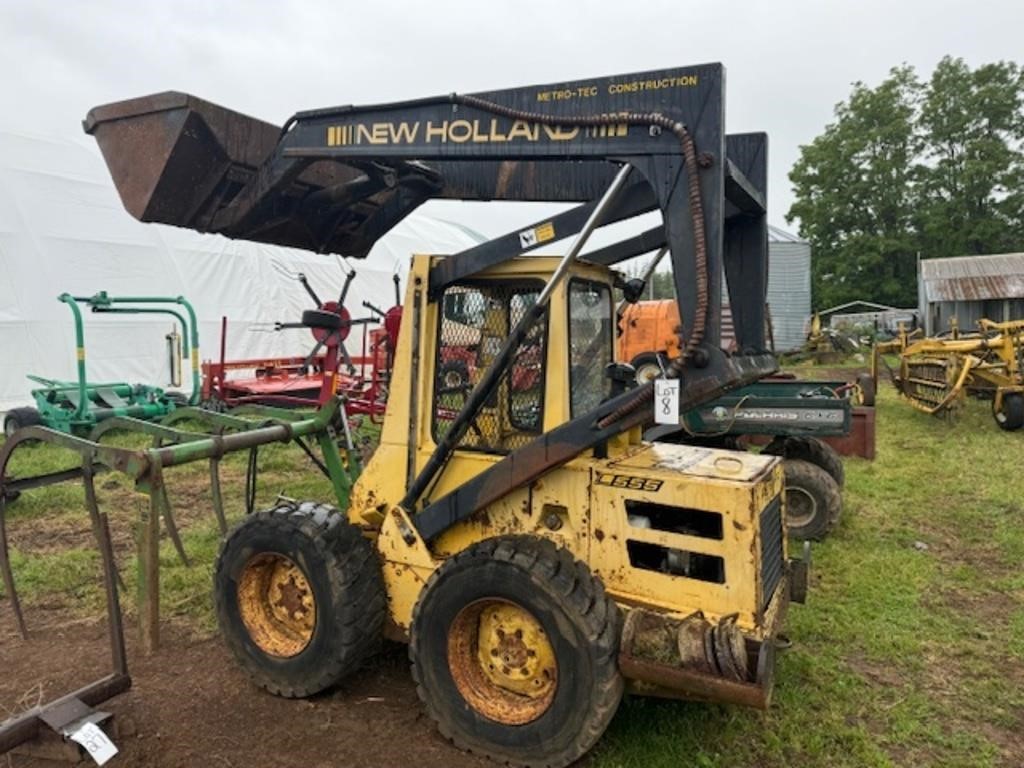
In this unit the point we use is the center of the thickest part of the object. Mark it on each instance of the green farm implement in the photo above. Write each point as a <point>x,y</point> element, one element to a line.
<point>791,419</point>
<point>174,443</point>
<point>75,407</point>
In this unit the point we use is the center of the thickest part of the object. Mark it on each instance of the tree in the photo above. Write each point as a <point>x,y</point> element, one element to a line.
<point>971,172</point>
<point>855,195</point>
<point>909,168</point>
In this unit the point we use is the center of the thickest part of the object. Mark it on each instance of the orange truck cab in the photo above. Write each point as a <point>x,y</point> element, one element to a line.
<point>649,336</point>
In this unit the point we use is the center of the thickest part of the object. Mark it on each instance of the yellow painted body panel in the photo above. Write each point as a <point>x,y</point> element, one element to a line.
<point>580,506</point>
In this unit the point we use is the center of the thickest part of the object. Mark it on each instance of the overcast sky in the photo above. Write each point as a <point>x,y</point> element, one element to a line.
<point>788,62</point>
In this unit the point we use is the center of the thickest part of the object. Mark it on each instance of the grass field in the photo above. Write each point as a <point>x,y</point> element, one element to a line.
<point>910,651</point>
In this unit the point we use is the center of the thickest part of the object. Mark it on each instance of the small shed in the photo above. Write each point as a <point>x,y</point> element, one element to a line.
<point>868,315</point>
<point>970,288</point>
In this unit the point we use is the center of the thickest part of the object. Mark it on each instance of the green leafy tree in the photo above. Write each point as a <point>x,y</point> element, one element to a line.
<point>909,168</point>
<point>854,188</point>
<point>971,174</point>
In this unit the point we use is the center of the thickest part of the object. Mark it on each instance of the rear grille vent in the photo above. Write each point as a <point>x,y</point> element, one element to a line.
<point>771,549</point>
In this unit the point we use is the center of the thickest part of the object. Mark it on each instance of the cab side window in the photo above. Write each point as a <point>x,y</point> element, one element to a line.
<point>590,344</point>
<point>476,318</point>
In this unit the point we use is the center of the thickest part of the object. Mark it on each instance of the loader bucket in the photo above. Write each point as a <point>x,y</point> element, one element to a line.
<point>176,159</point>
<point>168,151</point>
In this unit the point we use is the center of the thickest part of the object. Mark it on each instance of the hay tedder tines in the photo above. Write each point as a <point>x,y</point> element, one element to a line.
<point>936,374</point>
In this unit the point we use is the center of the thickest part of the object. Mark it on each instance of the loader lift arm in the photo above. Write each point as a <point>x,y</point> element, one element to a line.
<point>336,180</point>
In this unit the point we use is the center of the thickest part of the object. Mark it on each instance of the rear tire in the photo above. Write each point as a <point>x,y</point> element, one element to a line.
<point>553,635</point>
<point>813,450</point>
<point>813,501</point>
<point>20,417</point>
<point>299,597</point>
<point>1011,415</point>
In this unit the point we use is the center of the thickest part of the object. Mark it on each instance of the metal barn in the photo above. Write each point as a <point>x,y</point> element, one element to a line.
<point>789,287</point>
<point>970,288</point>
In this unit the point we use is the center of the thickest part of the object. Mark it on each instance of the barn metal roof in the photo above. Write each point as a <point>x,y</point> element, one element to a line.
<point>971,278</point>
<point>776,235</point>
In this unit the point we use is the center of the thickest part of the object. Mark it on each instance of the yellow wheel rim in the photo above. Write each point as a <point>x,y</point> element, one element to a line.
<point>502,661</point>
<point>277,605</point>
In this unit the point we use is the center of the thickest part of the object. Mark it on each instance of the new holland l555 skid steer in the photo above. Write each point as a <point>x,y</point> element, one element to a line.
<point>536,555</point>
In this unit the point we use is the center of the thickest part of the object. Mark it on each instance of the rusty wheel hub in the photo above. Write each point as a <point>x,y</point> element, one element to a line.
<point>800,506</point>
<point>502,661</point>
<point>277,605</point>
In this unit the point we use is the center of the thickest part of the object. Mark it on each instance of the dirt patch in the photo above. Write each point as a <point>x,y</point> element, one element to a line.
<point>987,608</point>
<point>941,679</point>
<point>190,704</point>
<point>879,674</point>
<point>59,530</point>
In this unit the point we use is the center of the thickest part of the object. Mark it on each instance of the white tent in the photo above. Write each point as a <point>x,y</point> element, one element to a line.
<point>63,229</point>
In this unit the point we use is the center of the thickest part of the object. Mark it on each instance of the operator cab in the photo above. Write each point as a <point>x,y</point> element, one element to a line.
<point>559,370</point>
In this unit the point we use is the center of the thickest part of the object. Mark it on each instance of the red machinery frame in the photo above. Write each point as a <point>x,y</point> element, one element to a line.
<point>310,381</point>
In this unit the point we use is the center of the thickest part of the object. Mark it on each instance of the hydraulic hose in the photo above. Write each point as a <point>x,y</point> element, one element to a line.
<point>689,152</point>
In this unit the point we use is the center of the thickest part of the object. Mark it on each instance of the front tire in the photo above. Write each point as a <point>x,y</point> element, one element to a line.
<point>514,651</point>
<point>299,597</point>
<point>866,390</point>
<point>813,501</point>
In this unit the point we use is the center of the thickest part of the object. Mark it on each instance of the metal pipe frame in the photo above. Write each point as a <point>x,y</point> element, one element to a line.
<point>26,725</point>
<point>102,302</point>
<point>503,360</point>
<point>146,467</point>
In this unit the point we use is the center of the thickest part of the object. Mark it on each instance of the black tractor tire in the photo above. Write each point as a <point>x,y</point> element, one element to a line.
<point>17,418</point>
<point>813,501</point>
<point>454,376</point>
<point>648,366</point>
<point>581,627</point>
<point>1011,415</point>
<point>810,449</point>
<point>868,390</point>
<point>340,568</point>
